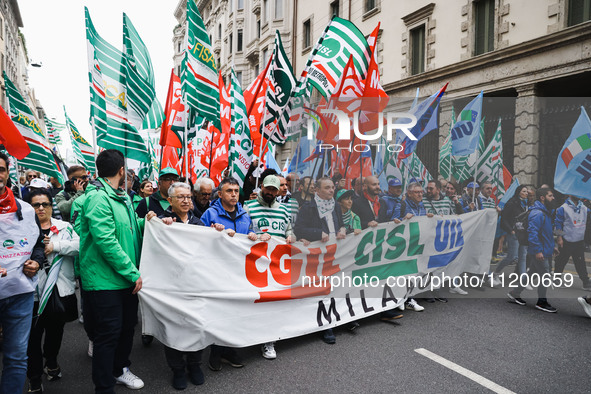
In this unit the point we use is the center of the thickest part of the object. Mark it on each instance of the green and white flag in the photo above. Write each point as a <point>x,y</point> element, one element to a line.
<point>53,130</point>
<point>282,84</point>
<point>418,170</point>
<point>240,152</point>
<point>464,165</point>
<point>490,165</point>
<point>155,116</point>
<point>341,39</point>
<point>141,90</point>
<point>83,151</point>
<point>445,157</point>
<point>41,158</point>
<point>199,76</point>
<point>110,109</point>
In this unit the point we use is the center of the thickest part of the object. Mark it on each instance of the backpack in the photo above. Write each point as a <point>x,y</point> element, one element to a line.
<point>520,228</point>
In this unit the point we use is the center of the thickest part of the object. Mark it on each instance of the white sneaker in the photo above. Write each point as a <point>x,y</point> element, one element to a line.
<point>458,290</point>
<point>90,348</point>
<point>413,304</point>
<point>129,380</point>
<point>585,305</point>
<point>81,319</point>
<point>269,351</point>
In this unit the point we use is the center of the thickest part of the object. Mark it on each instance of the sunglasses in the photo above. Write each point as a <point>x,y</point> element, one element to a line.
<point>37,205</point>
<point>32,176</point>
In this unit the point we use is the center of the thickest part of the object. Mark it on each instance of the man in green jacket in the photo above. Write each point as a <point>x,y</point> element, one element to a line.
<point>110,247</point>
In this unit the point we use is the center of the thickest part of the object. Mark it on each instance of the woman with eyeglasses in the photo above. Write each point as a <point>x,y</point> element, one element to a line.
<point>56,279</point>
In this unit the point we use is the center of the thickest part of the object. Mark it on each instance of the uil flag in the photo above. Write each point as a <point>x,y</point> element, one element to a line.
<point>173,127</point>
<point>240,143</point>
<point>573,167</point>
<point>464,134</point>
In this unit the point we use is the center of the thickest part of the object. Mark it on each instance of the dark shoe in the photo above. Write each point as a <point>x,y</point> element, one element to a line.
<point>430,300</point>
<point>53,373</point>
<point>196,376</point>
<point>390,315</point>
<point>147,340</point>
<point>515,299</point>
<point>232,359</point>
<point>215,363</point>
<point>352,326</point>
<point>328,337</point>
<point>441,299</point>
<point>179,380</point>
<point>544,306</point>
<point>35,386</point>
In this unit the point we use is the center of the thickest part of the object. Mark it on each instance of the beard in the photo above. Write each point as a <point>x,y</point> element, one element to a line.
<point>268,198</point>
<point>121,183</point>
<point>549,204</point>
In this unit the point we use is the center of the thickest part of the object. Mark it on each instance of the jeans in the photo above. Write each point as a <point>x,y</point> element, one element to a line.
<point>176,361</point>
<point>15,317</point>
<point>536,267</point>
<point>114,316</point>
<point>576,250</point>
<point>54,332</point>
<point>515,251</point>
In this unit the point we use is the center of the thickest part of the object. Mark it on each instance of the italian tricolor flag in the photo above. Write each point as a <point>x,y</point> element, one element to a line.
<point>578,145</point>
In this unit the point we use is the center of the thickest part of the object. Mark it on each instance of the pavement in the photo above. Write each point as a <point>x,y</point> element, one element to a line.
<point>499,345</point>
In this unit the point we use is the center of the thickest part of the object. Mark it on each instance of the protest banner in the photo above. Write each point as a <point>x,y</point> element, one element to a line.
<point>202,287</point>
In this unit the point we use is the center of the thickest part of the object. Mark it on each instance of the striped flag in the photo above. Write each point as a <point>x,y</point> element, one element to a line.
<point>53,130</point>
<point>418,170</point>
<point>282,82</point>
<point>110,109</point>
<point>199,75</point>
<point>490,164</point>
<point>463,166</point>
<point>573,165</point>
<point>155,116</point>
<point>83,151</point>
<point>40,159</point>
<point>240,155</point>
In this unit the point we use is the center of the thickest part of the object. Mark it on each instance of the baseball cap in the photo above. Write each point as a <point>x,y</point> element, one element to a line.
<point>168,171</point>
<point>473,185</point>
<point>344,193</point>
<point>39,183</point>
<point>272,181</point>
<point>394,182</point>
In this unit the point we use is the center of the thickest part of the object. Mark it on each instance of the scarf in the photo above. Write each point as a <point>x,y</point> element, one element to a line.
<point>325,207</point>
<point>7,201</point>
<point>375,203</point>
<point>348,219</point>
<point>576,208</point>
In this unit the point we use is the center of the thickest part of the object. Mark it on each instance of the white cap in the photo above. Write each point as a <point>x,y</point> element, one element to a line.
<point>39,183</point>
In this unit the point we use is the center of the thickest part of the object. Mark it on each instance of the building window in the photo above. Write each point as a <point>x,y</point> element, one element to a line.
<point>334,8</point>
<point>180,47</point>
<point>220,31</point>
<point>579,11</point>
<point>278,9</point>
<point>230,4</point>
<point>1,28</point>
<point>210,40</point>
<point>265,10</point>
<point>484,26</point>
<point>259,28</point>
<point>240,5</point>
<point>239,41</point>
<point>307,34</point>
<point>265,56</point>
<point>239,77</point>
<point>256,70</point>
<point>417,51</point>
<point>230,46</point>
<point>370,5</point>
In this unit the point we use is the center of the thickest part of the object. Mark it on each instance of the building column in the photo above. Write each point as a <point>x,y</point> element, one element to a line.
<point>527,135</point>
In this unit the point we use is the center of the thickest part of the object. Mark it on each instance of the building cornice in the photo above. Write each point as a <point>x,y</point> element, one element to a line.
<point>17,13</point>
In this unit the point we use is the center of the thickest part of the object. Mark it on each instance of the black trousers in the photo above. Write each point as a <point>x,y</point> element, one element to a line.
<point>114,316</point>
<point>176,360</point>
<point>53,328</point>
<point>576,250</point>
<point>88,324</point>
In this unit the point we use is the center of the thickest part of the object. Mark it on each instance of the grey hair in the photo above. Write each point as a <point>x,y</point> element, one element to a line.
<point>414,185</point>
<point>203,181</point>
<point>178,185</point>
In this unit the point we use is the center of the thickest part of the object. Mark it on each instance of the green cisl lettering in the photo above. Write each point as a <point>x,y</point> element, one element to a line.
<point>414,248</point>
<point>360,257</point>
<point>399,243</point>
<point>377,252</point>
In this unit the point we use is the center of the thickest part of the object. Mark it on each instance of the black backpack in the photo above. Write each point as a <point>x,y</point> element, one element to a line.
<point>520,228</point>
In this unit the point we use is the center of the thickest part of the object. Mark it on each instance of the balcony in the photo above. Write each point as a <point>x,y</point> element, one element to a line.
<point>217,46</point>
<point>252,51</point>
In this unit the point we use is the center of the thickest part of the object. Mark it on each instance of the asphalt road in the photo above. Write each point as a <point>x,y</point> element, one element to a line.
<point>515,347</point>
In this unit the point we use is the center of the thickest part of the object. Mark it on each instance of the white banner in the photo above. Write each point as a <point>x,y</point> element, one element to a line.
<point>202,287</point>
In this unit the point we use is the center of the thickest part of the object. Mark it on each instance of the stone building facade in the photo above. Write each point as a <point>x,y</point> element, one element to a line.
<point>524,54</point>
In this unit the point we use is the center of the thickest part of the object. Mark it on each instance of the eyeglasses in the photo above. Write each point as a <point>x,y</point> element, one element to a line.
<point>182,197</point>
<point>37,205</point>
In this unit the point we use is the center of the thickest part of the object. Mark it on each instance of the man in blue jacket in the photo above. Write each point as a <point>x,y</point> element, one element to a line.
<point>540,248</point>
<point>227,211</point>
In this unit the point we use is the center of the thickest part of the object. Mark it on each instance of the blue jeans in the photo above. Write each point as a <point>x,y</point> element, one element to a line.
<point>515,251</point>
<point>16,313</point>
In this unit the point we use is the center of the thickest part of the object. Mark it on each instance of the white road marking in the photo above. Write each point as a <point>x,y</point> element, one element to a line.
<point>464,372</point>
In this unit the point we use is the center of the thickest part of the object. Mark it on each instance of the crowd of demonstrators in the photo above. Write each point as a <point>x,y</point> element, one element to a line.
<point>99,241</point>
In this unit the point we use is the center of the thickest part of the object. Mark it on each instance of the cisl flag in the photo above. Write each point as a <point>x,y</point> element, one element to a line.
<point>174,125</point>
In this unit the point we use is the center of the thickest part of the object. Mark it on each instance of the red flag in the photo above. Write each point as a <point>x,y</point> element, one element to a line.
<point>11,138</point>
<point>507,177</point>
<point>255,98</point>
<point>174,124</point>
<point>221,139</point>
<point>170,158</point>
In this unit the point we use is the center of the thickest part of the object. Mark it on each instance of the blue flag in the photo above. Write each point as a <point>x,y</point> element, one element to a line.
<point>573,166</point>
<point>297,163</point>
<point>465,132</point>
<point>271,162</point>
<point>509,193</point>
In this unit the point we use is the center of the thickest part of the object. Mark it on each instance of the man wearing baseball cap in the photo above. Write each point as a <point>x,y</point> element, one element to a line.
<point>392,199</point>
<point>158,202</point>
<point>270,218</point>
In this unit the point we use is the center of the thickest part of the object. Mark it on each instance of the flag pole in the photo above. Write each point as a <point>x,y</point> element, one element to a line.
<point>474,183</point>
<point>94,144</point>
<point>210,150</point>
<point>186,155</point>
<point>262,138</point>
<point>450,165</point>
<point>18,185</point>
